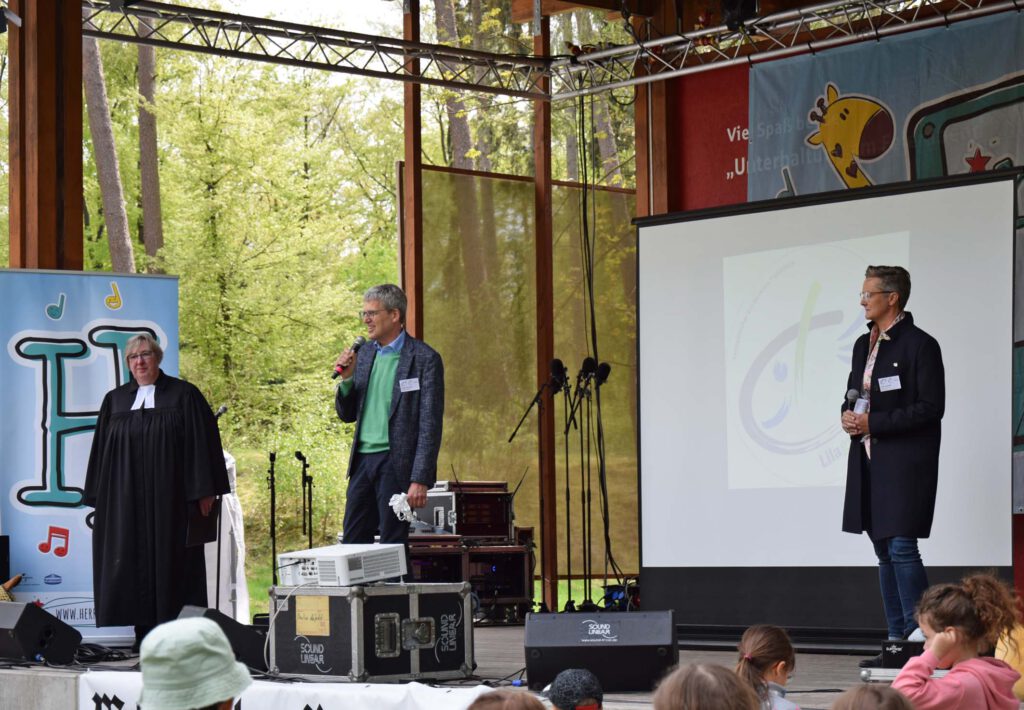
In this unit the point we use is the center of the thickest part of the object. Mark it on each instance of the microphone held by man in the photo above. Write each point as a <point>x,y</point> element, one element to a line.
<point>345,365</point>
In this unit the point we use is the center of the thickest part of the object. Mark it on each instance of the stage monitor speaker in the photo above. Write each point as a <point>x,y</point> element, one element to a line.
<point>246,641</point>
<point>625,650</point>
<point>30,633</point>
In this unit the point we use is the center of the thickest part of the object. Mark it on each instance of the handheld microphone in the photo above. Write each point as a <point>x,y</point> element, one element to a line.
<point>856,402</point>
<point>220,410</point>
<point>851,398</point>
<point>603,370</point>
<point>356,344</point>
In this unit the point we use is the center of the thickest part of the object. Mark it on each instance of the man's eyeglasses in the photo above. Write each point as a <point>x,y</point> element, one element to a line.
<point>866,295</point>
<point>363,315</point>
<point>145,354</point>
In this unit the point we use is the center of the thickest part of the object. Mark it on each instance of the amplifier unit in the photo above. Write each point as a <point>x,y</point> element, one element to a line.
<point>341,565</point>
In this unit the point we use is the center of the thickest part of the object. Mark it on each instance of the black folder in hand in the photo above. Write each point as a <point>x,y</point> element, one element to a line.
<point>202,528</point>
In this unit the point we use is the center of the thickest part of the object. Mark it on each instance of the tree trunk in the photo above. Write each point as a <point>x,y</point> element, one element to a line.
<point>122,256</point>
<point>455,107</point>
<point>149,167</point>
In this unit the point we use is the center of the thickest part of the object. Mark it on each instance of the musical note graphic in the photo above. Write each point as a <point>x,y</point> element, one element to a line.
<point>54,311</point>
<point>62,534</point>
<point>113,301</point>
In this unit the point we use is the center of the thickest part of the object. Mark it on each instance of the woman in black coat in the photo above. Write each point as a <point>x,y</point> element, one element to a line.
<point>893,465</point>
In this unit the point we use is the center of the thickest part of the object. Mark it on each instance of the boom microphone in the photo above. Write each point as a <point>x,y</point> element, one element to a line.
<point>300,457</point>
<point>603,370</point>
<point>559,374</point>
<point>356,344</point>
<point>587,369</point>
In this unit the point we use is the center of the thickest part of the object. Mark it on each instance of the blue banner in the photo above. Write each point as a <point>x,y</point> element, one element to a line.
<point>65,334</point>
<point>926,104</point>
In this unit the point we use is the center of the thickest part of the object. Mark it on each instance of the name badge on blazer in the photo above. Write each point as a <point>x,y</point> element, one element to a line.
<point>888,384</point>
<point>410,385</point>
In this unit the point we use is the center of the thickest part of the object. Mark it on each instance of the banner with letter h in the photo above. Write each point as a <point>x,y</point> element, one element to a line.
<point>64,335</point>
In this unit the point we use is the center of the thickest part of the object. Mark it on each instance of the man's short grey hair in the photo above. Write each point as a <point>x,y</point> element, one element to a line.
<point>892,278</point>
<point>390,296</point>
<point>144,341</point>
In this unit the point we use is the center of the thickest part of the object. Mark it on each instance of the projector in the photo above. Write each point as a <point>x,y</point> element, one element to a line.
<point>341,565</point>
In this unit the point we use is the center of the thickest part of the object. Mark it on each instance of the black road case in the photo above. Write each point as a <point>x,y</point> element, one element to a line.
<point>373,633</point>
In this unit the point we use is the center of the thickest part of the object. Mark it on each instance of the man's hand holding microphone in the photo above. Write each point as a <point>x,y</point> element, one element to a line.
<point>345,365</point>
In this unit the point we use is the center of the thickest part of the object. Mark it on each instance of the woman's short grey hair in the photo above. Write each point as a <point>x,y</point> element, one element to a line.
<point>892,278</point>
<point>390,296</point>
<point>144,341</point>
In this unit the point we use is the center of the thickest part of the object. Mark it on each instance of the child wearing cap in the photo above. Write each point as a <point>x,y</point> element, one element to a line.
<point>188,663</point>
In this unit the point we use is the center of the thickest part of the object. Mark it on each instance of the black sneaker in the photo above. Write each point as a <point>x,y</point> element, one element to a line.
<point>873,662</point>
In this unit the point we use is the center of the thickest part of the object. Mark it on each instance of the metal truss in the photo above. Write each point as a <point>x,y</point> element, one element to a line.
<point>806,29</point>
<point>277,42</point>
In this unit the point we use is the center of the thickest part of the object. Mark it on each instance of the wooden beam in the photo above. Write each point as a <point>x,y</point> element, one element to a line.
<point>522,10</point>
<point>45,145</point>
<point>411,250</point>
<point>545,326</point>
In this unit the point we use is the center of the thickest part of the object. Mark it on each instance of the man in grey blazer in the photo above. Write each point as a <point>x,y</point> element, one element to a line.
<point>393,389</point>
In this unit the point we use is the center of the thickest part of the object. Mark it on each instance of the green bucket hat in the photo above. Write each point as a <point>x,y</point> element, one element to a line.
<point>188,663</point>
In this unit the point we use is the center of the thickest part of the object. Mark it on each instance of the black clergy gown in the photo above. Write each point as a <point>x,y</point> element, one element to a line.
<point>147,469</point>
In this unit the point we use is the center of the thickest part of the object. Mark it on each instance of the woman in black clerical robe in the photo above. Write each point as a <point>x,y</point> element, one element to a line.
<point>156,461</point>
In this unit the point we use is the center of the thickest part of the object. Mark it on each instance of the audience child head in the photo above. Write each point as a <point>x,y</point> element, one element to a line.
<point>576,689</point>
<point>766,656</point>
<point>505,699</point>
<point>188,664</point>
<point>872,697</point>
<point>965,619</point>
<point>704,686</point>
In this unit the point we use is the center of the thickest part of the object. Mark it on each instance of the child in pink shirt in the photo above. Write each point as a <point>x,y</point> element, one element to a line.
<point>960,622</point>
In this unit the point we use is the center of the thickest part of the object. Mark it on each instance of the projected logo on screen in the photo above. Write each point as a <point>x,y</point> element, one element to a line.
<point>791,318</point>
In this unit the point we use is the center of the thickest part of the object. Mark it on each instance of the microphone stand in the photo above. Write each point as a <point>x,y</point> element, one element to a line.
<point>537,400</point>
<point>583,394</point>
<point>273,515</point>
<point>588,604</point>
<point>307,499</point>
<point>570,604</point>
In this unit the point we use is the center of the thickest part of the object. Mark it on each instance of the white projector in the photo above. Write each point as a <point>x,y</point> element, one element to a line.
<point>341,565</point>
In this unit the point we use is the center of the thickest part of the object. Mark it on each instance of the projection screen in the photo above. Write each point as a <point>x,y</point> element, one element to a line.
<point>746,324</point>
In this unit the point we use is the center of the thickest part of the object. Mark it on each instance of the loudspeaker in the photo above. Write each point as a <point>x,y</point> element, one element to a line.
<point>246,641</point>
<point>28,632</point>
<point>895,654</point>
<point>625,650</point>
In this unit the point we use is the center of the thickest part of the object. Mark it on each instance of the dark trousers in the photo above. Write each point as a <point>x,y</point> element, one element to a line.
<point>367,511</point>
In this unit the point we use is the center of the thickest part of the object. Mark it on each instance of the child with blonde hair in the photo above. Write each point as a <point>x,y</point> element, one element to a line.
<point>766,660</point>
<point>960,622</point>
<point>703,686</point>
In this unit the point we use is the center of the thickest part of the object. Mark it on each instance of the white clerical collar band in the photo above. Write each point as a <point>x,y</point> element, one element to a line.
<point>144,397</point>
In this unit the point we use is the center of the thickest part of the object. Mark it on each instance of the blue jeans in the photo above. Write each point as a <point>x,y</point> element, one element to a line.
<point>903,580</point>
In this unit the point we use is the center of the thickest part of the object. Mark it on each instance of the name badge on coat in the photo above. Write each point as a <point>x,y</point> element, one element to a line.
<point>410,385</point>
<point>888,384</point>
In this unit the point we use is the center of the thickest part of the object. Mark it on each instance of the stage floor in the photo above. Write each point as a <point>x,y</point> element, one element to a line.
<point>818,680</point>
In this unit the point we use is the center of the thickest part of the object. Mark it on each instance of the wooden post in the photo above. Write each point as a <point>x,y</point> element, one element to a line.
<point>412,184</point>
<point>545,319</point>
<point>652,117</point>
<point>45,119</point>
